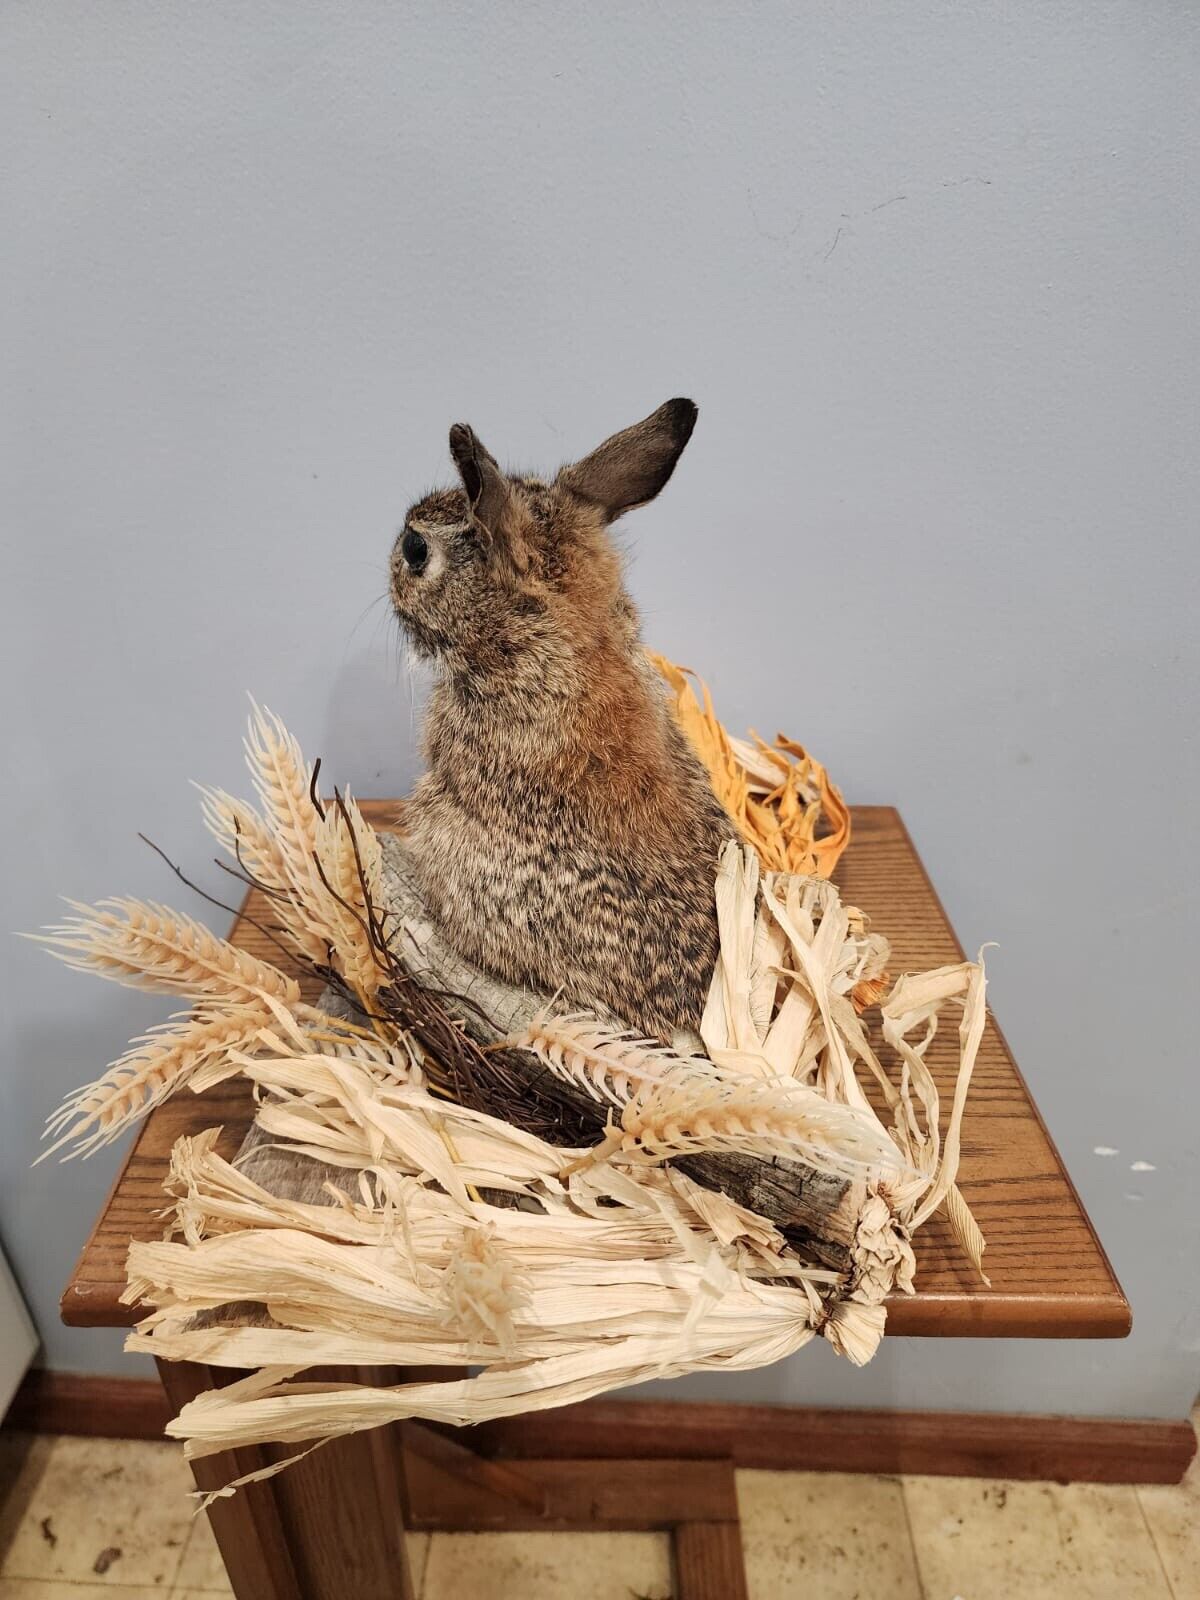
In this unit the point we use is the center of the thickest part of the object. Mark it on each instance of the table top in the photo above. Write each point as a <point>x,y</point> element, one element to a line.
<point>1049,1274</point>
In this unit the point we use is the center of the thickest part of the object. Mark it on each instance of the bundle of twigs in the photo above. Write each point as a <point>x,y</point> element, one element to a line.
<point>566,1207</point>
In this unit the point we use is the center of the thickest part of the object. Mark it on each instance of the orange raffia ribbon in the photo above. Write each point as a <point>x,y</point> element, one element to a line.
<point>781,800</point>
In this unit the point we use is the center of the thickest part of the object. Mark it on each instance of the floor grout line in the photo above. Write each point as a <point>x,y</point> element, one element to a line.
<point>1158,1555</point>
<point>912,1538</point>
<point>117,1589</point>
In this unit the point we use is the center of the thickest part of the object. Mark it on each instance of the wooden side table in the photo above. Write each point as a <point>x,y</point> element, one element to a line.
<point>332,1527</point>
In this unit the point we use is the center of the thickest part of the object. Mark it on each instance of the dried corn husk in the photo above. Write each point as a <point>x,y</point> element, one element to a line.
<point>781,799</point>
<point>436,1232</point>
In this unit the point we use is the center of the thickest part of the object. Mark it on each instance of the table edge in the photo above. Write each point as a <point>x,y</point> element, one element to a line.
<point>1118,1291</point>
<point>931,1316</point>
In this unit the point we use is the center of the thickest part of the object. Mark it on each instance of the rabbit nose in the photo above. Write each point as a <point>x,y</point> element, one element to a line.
<point>414,550</point>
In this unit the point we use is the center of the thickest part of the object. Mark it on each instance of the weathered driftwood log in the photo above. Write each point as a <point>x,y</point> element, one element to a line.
<point>818,1213</point>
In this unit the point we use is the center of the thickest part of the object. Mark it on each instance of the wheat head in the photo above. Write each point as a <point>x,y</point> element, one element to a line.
<point>782,1119</point>
<point>148,946</point>
<point>608,1065</point>
<point>283,780</point>
<point>482,1290</point>
<point>242,834</point>
<point>154,1066</point>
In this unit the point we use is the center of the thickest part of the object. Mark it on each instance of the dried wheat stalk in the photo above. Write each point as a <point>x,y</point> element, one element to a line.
<point>161,1061</point>
<point>147,946</point>
<point>241,832</point>
<point>610,1067</point>
<point>672,1105</point>
<point>283,781</point>
<point>322,871</point>
<point>714,1112</point>
<point>245,836</point>
<point>350,861</point>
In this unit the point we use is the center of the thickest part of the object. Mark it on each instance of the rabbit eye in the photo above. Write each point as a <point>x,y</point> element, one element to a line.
<point>414,550</point>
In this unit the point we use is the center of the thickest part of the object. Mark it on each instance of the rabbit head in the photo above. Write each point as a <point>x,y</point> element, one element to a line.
<point>509,574</point>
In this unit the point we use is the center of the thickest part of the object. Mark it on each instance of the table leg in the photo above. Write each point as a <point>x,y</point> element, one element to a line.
<point>327,1527</point>
<point>709,1563</point>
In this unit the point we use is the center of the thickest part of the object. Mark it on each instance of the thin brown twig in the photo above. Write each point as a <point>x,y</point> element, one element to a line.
<point>238,912</point>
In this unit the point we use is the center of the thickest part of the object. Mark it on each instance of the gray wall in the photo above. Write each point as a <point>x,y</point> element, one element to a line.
<point>930,271</point>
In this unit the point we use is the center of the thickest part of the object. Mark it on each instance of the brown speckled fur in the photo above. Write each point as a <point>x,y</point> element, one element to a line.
<point>565,835</point>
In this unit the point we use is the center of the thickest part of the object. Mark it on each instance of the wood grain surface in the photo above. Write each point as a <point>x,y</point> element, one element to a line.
<point>1049,1275</point>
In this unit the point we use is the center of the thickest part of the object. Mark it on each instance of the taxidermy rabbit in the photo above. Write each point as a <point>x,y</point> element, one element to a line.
<point>565,836</point>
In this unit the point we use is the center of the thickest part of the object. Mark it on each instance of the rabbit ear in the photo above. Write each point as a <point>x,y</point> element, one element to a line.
<point>632,466</point>
<point>489,495</point>
<point>486,486</point>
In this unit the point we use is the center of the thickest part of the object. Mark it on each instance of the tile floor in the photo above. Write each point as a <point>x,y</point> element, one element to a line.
<point>109,1519</point>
